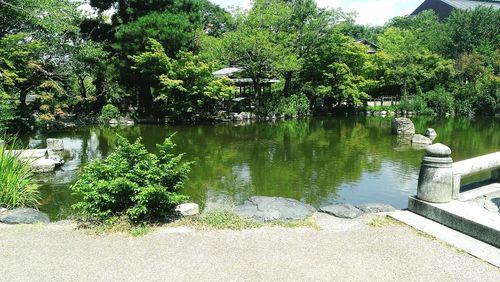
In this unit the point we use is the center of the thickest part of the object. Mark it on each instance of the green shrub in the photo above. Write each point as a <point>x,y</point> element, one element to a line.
<point>440,101</point>
<point>465,100</point>
<point>17,186</point>
<point>109,112</point>
<point>295,105</point>
<point>417,105</point>
<point>132,183</point>
<point>6,111</point>
<point>488,96</point>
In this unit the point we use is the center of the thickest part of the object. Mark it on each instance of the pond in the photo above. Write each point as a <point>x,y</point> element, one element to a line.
<point>318,161</point>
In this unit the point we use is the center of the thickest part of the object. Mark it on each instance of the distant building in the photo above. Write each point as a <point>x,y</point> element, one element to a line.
<point>443,8</point>
<point>372,47</point>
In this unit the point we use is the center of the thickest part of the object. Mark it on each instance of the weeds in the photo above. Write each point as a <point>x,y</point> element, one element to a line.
<point>17,186</point>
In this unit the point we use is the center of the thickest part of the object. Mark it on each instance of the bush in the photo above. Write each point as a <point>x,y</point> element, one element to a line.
<point>440,101</point>
<point>416,105</point>
<point>488,96</point>
<point>6,111</point>
<point>465,100</point>
<point>295,105</point>
<point>109,112</point>
<point>132,183</point>
<point>17,186</point>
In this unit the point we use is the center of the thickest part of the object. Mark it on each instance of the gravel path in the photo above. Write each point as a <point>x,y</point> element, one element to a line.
<point>344,250</point>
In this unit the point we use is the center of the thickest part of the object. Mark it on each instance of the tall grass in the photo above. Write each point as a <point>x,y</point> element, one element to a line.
<point>17,186</point>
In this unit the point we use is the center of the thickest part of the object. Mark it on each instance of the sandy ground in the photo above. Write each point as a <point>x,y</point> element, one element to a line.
<point>344,250</point>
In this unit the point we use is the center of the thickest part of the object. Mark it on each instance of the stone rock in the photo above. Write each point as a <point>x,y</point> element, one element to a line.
<point>420,139</point>
<point>342,210</point>
<point>383,113</point>
<point>43,165</point>
<point>33,143</point>
<point>2,210</point>
<point>188,209</point>
<point>403,126</point>
<point>126,121</point>
<point>113,121</point>
<point>23,216</point>
<point>274,208</point>
<point>55,144</point>
<point>58,160</point>
<point>375,208</point>
<point>431,133</point>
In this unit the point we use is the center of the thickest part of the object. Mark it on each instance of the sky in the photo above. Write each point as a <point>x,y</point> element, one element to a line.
<point>370,12</point>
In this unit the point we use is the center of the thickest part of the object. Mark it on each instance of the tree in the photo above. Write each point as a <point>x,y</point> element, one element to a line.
<point>405,66</point>
<point>185,86</point>
<point>261,44</point>
<point>336,72</point>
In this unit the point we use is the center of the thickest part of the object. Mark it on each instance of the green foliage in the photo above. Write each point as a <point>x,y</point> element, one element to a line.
<point>295,105</point>
<point>220,220</point>
<point>109,112</point>
<point>417,105</point>
<point>17,186</point>
<point>132,183</point>
<point>488,96</point>
<point>440,101</point>
<point>186,85</point>
<point>336,72</point>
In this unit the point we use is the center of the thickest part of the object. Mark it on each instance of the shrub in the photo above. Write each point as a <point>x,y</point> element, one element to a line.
<point>109,112</point>
<point>440,101</point>
<point>17,186</point>
<point>132,183</point>
<point>295,105</point>
<point>488,96</point>
<point>417,105</point>
<point>465,100</point>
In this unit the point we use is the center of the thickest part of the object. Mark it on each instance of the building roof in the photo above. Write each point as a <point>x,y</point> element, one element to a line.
<point>471,4</point>
<point>230,71</point>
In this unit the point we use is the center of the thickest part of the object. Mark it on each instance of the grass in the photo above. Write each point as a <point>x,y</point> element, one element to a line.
<point>228,220</point>
<point>117,225</point>
<point>218,220</point>
<point>383,221</point>
<point>17,186</point>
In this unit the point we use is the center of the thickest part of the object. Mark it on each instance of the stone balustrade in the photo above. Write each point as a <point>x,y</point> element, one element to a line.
<point>439,178</point>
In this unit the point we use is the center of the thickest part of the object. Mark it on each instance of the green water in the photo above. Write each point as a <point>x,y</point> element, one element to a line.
<point>317,161</point>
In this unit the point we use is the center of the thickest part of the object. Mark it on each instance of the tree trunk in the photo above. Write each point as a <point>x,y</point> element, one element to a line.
<point>287,89</point>
<point>100,92</point>
<point>145,100</point>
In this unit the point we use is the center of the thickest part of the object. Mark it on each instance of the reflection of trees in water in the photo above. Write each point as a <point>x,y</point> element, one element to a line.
<point>302,159</point>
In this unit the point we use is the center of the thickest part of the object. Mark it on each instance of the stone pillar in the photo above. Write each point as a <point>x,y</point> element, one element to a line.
<point>435,181</point>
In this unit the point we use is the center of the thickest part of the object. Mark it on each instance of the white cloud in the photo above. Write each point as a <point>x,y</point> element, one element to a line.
<point>372,12</point>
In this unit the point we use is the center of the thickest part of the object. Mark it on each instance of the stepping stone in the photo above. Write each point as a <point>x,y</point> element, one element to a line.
<point>342,210</point>
<point>23,216</point>
<point>375,208</point>
<point>274,208</point>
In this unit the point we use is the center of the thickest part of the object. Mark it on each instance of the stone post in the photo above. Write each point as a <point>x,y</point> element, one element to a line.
<point>435,181</point>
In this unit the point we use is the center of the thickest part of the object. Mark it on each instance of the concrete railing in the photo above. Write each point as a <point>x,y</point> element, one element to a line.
<point>439,179</point>
<point>473,166</point>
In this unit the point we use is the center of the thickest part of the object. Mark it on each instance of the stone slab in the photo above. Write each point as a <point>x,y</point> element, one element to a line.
<point>342,210</point>
<point>457,239</point>
<point>375,208</point>
<point>274,208</point>
<point>23,216</point>
<point>468,218</point>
